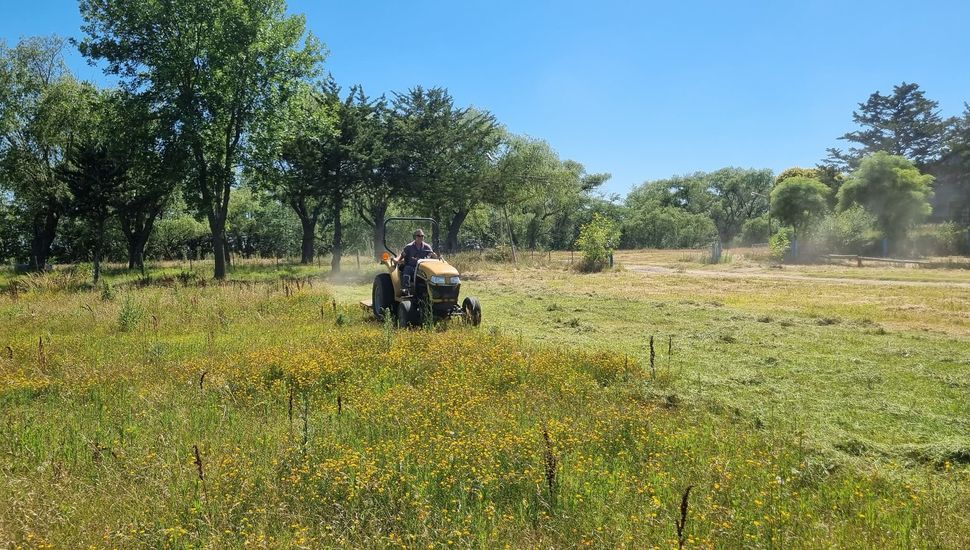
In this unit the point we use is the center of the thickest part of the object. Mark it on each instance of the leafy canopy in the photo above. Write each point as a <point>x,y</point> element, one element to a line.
<point>890,188</point>
<point>904,123</point>
<point>798,199</point>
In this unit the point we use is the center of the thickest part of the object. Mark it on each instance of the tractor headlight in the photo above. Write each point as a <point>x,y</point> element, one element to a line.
<point>456,280</point>
<point>437,279</point>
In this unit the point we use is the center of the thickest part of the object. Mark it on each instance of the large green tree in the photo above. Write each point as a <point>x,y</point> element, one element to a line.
<point>799,199</point>
<point>669,213</point>
<point>42,106</point>
<point>94,171</point>
<point>892,189</point>
<point>531,182</point>
<point>215,70</point>
<point>295,160</point>
<point>958,166</point>
<point>735,196</point>
<point>449,152</point>
<point>728,197</point>
<point>904,123</point>
<point>391,179</point>
<point>318,160</point>
<point>829,175</point>
<point>156,162</point>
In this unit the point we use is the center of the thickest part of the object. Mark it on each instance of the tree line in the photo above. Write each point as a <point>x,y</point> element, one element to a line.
<point>225,136</point>
<point>225,133</point>
<point>904,162</point>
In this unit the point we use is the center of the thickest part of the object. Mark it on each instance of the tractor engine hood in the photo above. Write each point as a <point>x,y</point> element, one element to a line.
<point>427,268</point>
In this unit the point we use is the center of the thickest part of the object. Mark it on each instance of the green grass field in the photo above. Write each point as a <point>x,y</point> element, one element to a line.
<point>830,408</point>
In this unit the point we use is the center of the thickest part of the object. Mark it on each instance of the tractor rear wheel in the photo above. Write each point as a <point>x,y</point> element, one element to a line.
<point>472,310</point>
<point>382,296</point>
<point>405,316</point>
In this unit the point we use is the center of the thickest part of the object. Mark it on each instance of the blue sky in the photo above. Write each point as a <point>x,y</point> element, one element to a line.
<point>640,90</point>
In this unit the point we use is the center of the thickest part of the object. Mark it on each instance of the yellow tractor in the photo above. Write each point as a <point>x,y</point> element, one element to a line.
<point>430,294</point>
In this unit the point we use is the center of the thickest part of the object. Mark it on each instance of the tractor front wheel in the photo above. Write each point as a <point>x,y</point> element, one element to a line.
<point>472,310</point>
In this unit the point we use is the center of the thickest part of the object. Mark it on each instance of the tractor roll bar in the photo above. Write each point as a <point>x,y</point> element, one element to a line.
<point>432,221</point>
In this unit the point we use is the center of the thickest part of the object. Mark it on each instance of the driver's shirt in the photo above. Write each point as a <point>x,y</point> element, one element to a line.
<point>413,253</point>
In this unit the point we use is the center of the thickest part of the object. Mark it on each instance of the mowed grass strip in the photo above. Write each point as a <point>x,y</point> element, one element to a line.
<point>877,372</point>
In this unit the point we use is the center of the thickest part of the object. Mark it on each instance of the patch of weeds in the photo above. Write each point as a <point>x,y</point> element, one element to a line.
<point>727,339</point>
<point>129,315</point>
<point>554,307</point>
<point>879,331</point>
<point>764,319</point>
<point>190,278</point>
<point>786,323</point>
<point>155,353</point>
<point>826,321</point>
<point>107,292</point>
<point>573,323</point>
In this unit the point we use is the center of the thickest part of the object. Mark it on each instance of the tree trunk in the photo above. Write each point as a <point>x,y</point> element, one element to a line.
<point>533,231</point>
<point>451,241</point>
<point>139,257</point>
<point>218,228</point>
<point>136,249</point>
<point>508,224</point>
<point>309,224</point>
<point>45,227</point>
<point>338,205</point>
<point>132,245</point>
<point>98,243</point>
<point>137,233</point>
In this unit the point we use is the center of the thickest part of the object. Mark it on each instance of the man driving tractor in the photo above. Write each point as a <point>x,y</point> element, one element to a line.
<point>414,251</point>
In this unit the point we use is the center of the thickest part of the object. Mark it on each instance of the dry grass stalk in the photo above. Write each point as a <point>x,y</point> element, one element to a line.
<point>551,462</point>
<point>198,463</point>
<point>306,419</point>
<point>682,522</point>
<point>653,355</point>
<point>41,354</point>
<point>670,348</point>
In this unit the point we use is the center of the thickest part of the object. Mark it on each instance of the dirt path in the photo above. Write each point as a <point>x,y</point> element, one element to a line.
<point>751,274</point>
